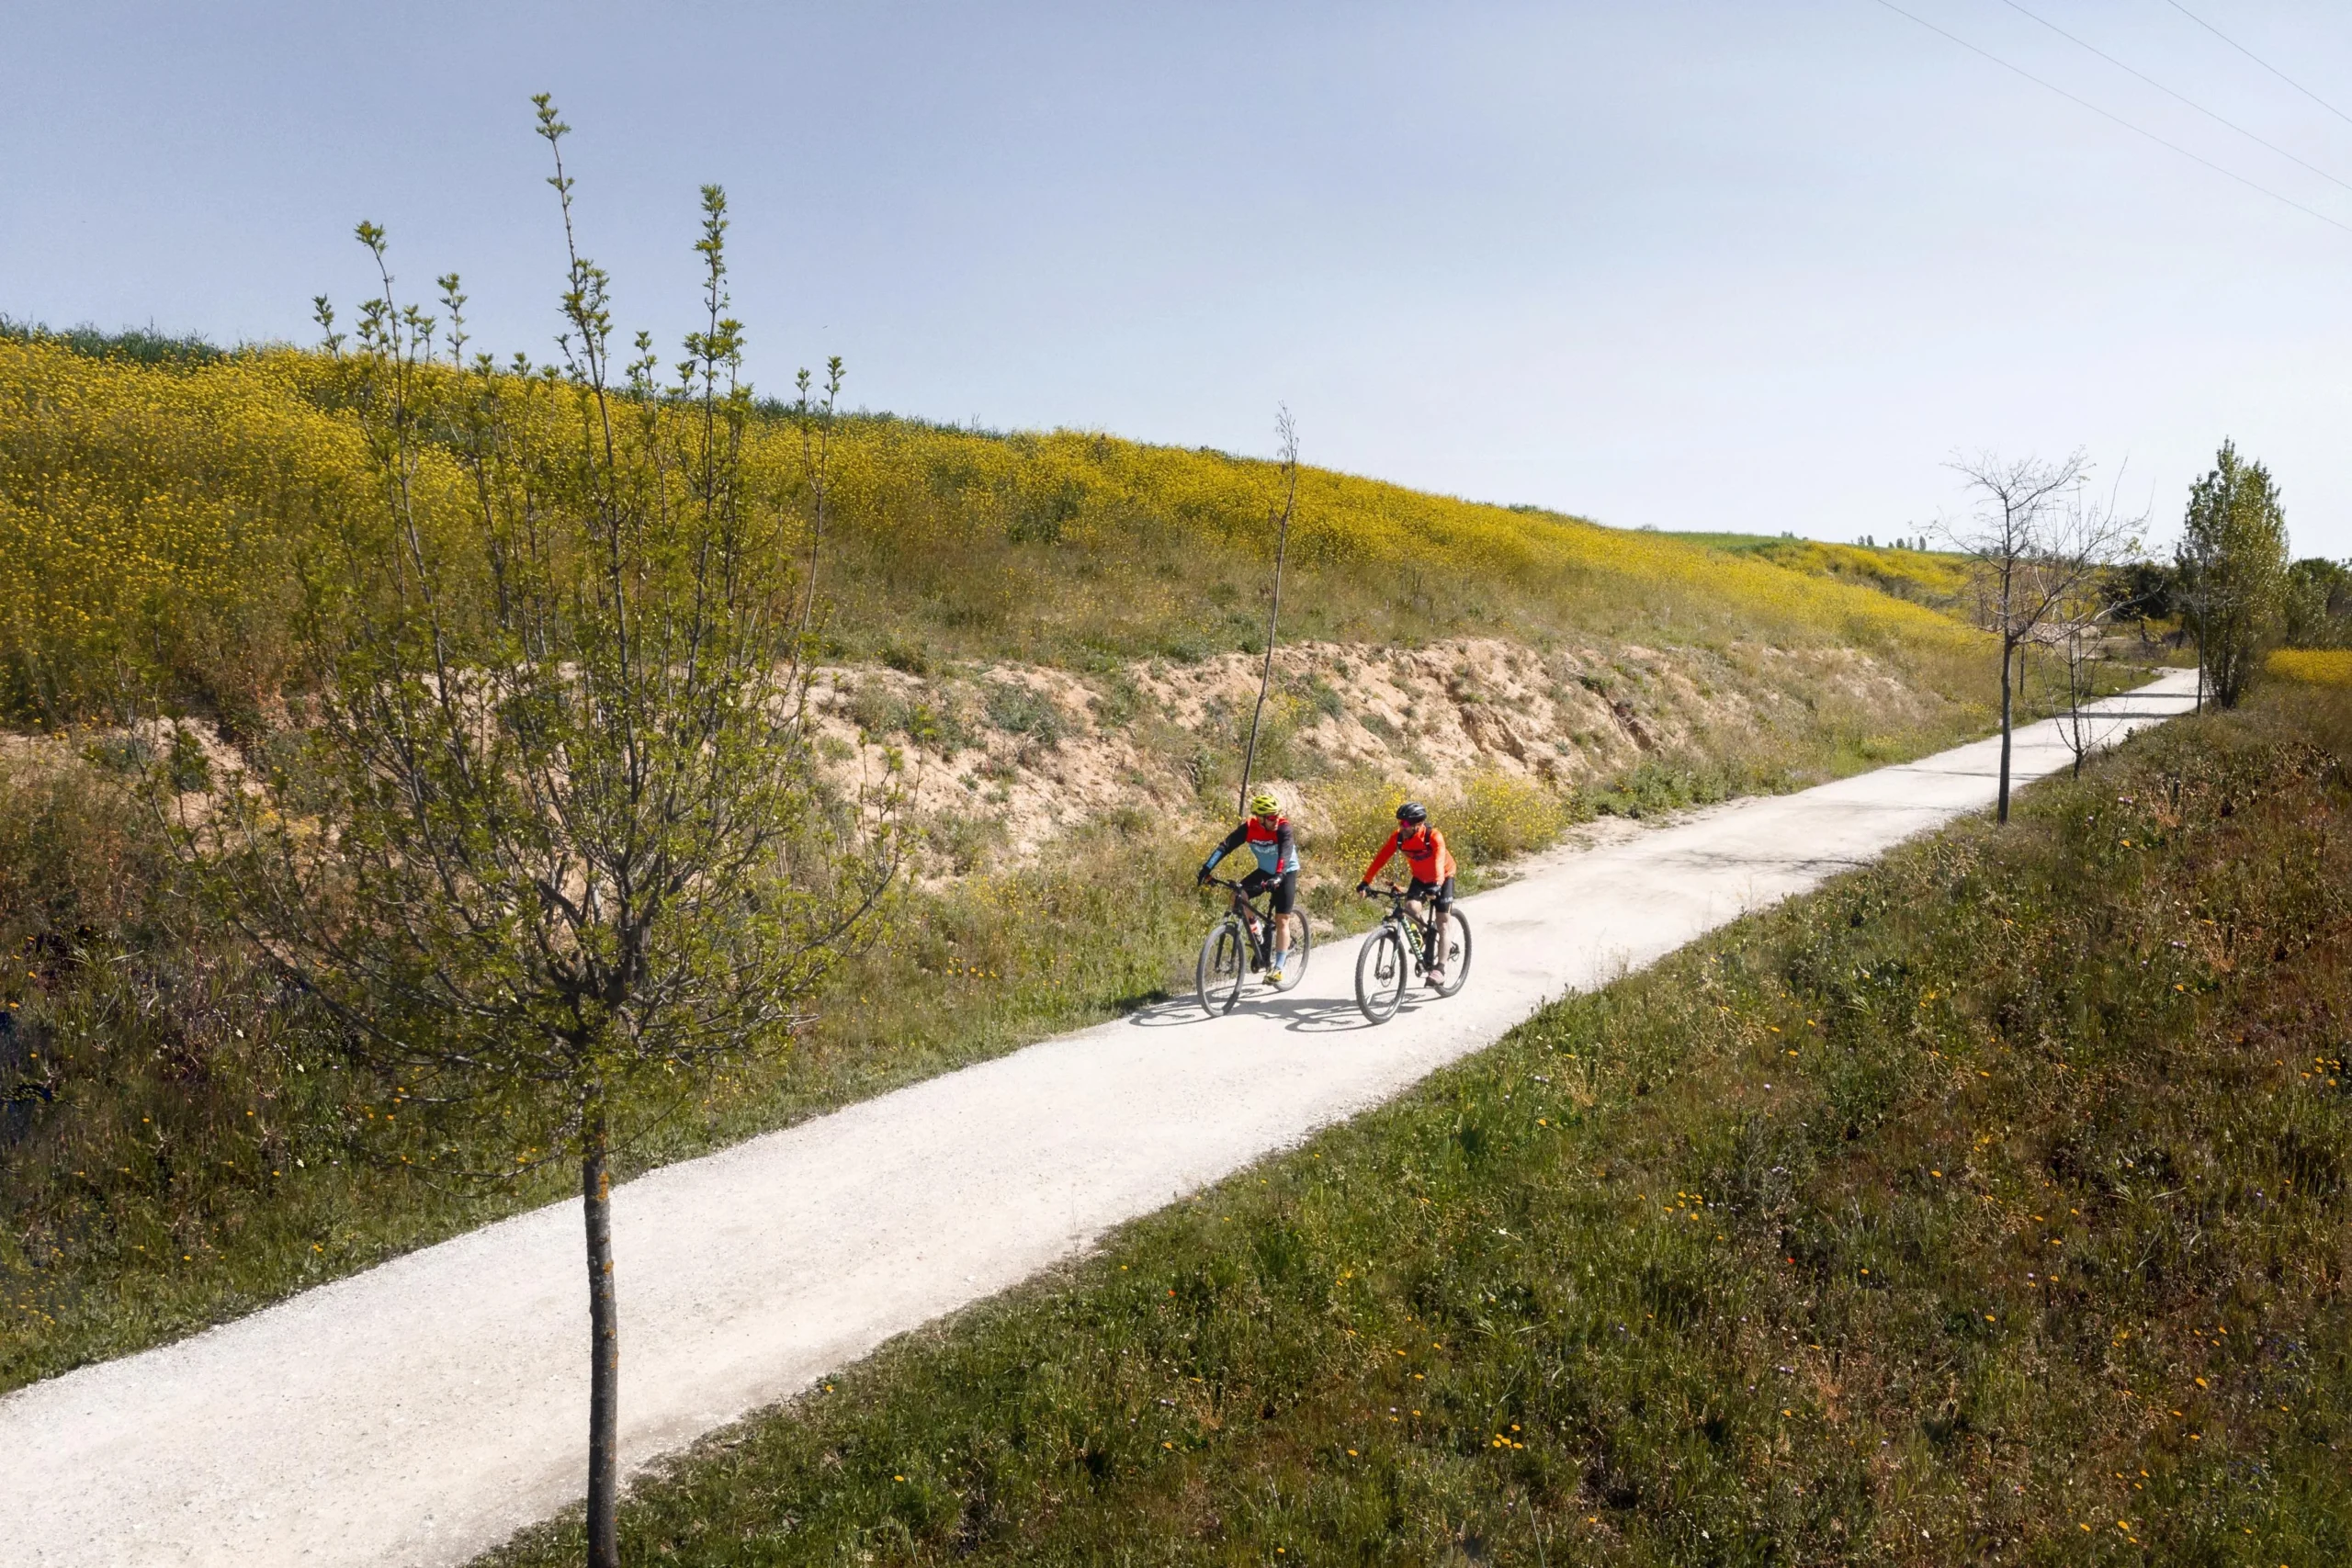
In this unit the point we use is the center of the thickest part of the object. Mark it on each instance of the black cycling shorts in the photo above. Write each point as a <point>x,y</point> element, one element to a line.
<point>1285,888</point>
<point>1442,892</point>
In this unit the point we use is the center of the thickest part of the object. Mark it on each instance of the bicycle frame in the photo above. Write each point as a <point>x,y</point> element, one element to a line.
<point>1419,934</point>
<point>1258,923</point>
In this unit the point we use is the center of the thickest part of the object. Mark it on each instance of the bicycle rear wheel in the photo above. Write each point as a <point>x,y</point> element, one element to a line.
<point>1457,953</point>
<point>1224,966</point>
<point>1302,943</point>
<point>1382,973</point>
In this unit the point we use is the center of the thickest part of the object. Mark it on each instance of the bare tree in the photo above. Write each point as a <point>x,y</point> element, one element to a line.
<point>1288,431</point>
<point>554,842</point>
<point>2036,541</point>
<point>2076,633</point>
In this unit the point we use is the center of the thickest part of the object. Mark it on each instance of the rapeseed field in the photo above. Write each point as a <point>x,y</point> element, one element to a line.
<point>157,523</point>
<point>2312,666</point>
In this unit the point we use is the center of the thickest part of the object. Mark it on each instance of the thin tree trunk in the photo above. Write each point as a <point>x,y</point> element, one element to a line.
<point>1266,678</point>
<point>1274,615</point>
<point>2001,811</point>
<point>605,1336</point>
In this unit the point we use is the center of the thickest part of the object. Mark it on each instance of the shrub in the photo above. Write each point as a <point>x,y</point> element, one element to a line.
<point>1024,711</point>
<point>1499,816</point>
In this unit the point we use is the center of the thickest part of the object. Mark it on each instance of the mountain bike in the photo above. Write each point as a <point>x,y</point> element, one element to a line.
<point>1241,944</point>
<point>1397,953</point>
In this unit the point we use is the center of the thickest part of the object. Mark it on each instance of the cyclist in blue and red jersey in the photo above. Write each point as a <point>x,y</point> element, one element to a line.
<point>1431,864</point>
<point>1267,832</point>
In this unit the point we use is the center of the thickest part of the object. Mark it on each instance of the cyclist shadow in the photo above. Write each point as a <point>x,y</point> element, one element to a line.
<point>1299,1015</point>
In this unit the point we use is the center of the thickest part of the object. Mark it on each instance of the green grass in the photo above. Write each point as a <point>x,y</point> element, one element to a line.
<point>141,346</point>
<point>1988,1205</point>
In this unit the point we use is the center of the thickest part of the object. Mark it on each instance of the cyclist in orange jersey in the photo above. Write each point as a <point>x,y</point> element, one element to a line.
<point>1431,864</point>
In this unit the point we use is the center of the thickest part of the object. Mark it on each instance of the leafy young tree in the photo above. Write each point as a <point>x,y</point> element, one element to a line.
<point>2037,542</point>
<point>553,838</point>
<point>2317,603</point>
<point>2232,559</point>
<point>2142,589</point>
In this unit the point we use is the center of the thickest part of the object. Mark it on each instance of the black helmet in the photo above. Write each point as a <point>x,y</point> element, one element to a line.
<point>1413,811</point>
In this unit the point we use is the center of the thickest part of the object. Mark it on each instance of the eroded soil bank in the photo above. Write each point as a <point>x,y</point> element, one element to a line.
<point>1002,758</point>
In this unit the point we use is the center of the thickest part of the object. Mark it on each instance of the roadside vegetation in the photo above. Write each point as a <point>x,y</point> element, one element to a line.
<point>1988,1205</point>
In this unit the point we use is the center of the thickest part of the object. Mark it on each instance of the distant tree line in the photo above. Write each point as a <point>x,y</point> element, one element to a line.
<point>2314,607</point>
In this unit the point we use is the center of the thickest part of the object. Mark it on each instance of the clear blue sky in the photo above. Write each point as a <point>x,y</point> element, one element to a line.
<point>1692,263</point>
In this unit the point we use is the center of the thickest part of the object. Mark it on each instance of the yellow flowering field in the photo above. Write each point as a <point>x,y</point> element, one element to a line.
<point>2312,666</point>
<point>155,520</point>
<point>1939,579</point>
<point>146,518</point>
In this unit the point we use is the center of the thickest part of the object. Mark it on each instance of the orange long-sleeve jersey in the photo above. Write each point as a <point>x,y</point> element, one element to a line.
<point>1424,852</point>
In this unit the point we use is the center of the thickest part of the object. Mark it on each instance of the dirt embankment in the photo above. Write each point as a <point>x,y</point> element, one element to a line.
<point>1002,757</point>
<point>999,760</point>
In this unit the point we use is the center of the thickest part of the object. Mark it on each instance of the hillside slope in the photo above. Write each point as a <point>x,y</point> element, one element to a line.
<point>159,520</point>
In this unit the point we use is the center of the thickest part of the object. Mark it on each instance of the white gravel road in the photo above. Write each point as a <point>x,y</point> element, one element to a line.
<point>421,1411</point>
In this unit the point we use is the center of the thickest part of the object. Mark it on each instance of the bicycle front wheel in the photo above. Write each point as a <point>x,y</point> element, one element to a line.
<point>1382,973</point>
<point>1224,966</point>
<point>1457,953</point>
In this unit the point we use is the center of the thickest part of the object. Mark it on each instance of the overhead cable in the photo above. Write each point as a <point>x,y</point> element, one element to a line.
<point>2242,49</point>
<point>2119,119</point>
<point>2160,88</point>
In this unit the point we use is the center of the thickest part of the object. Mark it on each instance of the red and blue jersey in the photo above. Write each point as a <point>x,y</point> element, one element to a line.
<point>1276,850</point>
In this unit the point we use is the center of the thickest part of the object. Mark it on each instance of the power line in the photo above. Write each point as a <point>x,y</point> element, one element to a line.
<point>2242,49</point>
<point>2119,119</point>
<point>2160,88</point>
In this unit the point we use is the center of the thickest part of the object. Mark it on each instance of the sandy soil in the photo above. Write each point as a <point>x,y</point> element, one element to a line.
<point>421,1411</point>
<point>1065,748</point>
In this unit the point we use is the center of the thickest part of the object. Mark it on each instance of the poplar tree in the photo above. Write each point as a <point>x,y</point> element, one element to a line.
<point>2233,560</point>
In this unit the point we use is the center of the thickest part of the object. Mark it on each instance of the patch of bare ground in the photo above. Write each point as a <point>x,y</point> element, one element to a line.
<point>1003,758</point>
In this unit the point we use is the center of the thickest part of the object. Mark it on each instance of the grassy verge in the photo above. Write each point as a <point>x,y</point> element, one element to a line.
<point>1987,1206</point>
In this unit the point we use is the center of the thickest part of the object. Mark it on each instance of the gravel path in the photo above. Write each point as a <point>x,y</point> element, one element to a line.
<point>421,1411</point>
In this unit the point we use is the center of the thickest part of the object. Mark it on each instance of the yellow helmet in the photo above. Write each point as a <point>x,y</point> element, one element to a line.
<point>1264,804</point>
